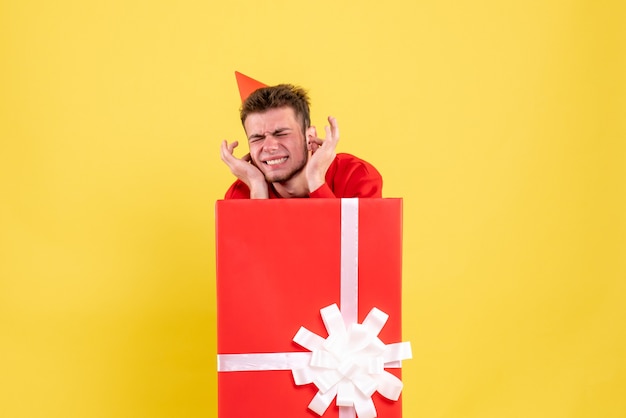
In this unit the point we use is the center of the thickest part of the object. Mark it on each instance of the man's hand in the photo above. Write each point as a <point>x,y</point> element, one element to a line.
<point>244,170</point>
<point>323,154</point>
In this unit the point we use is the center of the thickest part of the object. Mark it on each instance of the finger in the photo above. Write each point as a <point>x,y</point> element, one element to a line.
<point>334,127</point>
<point>314,144</point>
<point>223,150</point>
<point>231,147</point>
<point>226,152</point>
<point>329,134</point>
<point>331,142</point>
<point>247,157</point>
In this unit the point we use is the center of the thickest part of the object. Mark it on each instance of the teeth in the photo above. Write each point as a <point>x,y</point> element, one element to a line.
<point>276,161</point>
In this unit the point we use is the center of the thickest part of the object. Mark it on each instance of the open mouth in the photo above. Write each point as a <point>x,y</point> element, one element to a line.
<point>276,161</point>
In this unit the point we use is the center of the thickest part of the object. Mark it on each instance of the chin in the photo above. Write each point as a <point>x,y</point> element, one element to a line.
<point>278,178</point>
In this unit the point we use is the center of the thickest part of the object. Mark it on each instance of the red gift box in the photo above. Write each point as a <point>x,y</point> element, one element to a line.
<point>278,263</point>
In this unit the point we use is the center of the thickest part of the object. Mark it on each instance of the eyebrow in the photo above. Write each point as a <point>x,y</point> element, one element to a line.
<point>262,135</point>
<point>255,136</point>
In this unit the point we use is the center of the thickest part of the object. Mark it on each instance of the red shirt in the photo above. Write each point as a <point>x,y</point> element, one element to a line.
<point>347,176</point>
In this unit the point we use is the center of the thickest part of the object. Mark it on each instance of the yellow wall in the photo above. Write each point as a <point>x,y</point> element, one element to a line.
<point>501,124</point>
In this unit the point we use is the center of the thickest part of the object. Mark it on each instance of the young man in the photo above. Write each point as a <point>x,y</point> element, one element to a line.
<point>286,157</point>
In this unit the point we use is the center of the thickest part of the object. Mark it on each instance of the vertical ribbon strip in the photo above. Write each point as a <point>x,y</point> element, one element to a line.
<point>349,260</point>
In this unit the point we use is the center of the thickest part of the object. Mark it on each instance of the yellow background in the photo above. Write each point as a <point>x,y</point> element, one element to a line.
<point>501,124</point>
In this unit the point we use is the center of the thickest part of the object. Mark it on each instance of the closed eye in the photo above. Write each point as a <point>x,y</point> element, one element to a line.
<point>281,132</point>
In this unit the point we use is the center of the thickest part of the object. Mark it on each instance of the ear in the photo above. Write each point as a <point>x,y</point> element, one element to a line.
<point>311,133</point>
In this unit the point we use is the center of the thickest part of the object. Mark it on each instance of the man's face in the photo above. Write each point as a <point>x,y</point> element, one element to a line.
<point>277,144</point>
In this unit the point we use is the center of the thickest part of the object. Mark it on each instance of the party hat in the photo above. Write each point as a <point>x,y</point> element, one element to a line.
<point>247,85</point>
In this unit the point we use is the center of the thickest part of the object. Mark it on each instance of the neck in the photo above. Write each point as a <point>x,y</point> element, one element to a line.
<point>294,187</point>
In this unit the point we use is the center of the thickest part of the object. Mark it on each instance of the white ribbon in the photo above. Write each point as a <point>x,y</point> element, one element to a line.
<point>349,295</point>
<point>261,361</point>
<point>349,364</point>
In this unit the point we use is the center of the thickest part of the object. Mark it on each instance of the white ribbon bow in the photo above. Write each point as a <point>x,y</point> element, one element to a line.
<point>350,363</point>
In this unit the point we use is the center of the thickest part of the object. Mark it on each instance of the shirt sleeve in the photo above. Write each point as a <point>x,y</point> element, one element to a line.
<point>360,179</point>
<point>324,191</point>
<point>364,181</point>
<point>238,190</point>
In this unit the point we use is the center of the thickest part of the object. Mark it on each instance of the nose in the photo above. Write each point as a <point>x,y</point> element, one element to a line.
<point>270,143</point>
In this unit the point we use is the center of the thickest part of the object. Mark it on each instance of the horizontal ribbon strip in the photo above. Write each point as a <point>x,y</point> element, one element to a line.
<point>274,361</point>
<point>262,361</point>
